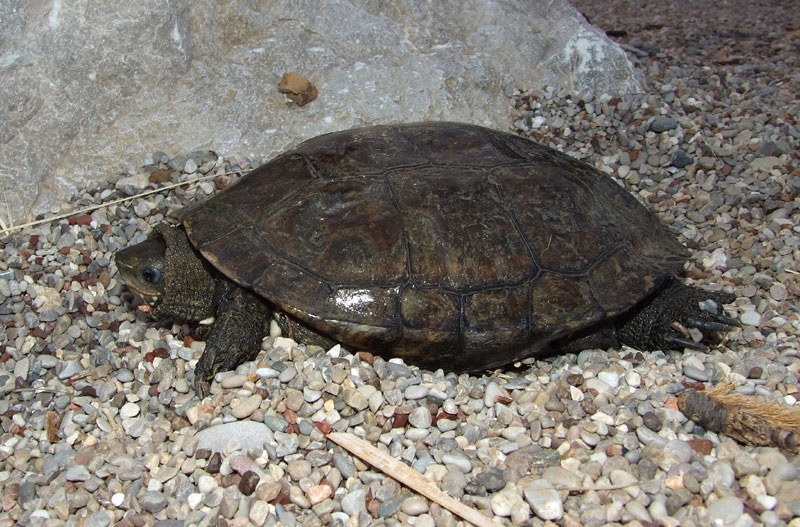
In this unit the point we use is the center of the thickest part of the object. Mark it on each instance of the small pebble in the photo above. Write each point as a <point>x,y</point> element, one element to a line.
<point>414,506</point>
<point>725,510</point>
<point>544,500</point>
<point>246,407</point>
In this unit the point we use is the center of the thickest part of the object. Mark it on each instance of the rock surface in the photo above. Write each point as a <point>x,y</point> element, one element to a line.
<point>85,93</point>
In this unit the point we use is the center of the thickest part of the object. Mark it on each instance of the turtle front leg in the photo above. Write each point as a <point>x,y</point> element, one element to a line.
<point>663,322</point>
<point>241,321</point>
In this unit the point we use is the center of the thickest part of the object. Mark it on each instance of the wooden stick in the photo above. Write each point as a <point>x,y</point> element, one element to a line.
<point>410,477</point>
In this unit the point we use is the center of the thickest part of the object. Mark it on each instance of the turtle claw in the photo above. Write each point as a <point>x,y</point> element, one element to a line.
<point>726,321</point>
<point>201,388</point>
<point>709,325</point>
<point>685,343</point>
<point>204,372</point>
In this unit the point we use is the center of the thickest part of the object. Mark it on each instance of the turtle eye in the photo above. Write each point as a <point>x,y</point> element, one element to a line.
<point>152,274</point>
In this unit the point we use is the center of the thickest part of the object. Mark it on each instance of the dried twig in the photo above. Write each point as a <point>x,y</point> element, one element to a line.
<point>408,476</point>
<point>8,229</point>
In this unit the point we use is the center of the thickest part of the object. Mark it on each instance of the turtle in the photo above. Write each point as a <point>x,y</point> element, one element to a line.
<point>448,245</point>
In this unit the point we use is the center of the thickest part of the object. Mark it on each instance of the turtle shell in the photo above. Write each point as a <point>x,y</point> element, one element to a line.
<point>447,244</point>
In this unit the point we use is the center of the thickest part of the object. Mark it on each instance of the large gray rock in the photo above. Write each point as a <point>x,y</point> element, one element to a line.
<point>86,87</point>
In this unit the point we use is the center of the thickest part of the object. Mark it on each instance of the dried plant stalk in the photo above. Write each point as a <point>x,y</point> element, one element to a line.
<point>409,477</point>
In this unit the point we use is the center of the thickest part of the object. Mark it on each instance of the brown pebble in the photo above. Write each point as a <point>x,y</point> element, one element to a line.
<point>83,219</point>
<point>652,421</point>
<point>40,333</point>
<point>229,480</point>
<point>701,446</point>
<point>297,88</point>
<point>367,357</point>
<point>140,519</point>
<point>282,499</point>
<point>575,379</point>
<point>214,462</point>
<point>755,372</point>
<point>373,506</point>
<point>162,175</point>
<point>84,457</point>
<point>325,428</point>
<point>400,420</point>
<point>162,353</point>
<point>10,493</point>
<point>248,483</point>
<point>318,493</point>
<point>222,182</point>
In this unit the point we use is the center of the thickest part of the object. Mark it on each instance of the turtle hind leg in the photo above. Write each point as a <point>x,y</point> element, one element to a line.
<point>663,321</point>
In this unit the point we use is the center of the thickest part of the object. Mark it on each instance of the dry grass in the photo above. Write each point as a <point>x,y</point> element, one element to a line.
<point>7,226</point>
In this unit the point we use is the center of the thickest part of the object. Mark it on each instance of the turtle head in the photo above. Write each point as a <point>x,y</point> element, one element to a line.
<point>167,273</point>
<point>142,266</point>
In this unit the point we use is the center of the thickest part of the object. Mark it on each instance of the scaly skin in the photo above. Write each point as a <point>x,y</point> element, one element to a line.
<point>653,326</point>
<point>241,321</point>
<point>186,289</point>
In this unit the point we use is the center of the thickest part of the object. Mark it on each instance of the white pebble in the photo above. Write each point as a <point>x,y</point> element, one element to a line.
<point>512,432</point>
<point>599,385</point>
<point>129,410</point>
<point>194,500</point>
<point>768,502</point>
<point>492,392</point>
<point>503,503</point>
<point>117,499</point>
<point>543,499</point>
<point>206,484</point>
<point>375,401</point>
<point>750,318</point>
<point>274,329</point>
<point>460,461</point>
<point>633,379</point>
<point>285,343</point>
<point>609,377</point>
<point>725,510</point>
<point>420,417</point>
<point>415,392</point>
<point>417,434</point>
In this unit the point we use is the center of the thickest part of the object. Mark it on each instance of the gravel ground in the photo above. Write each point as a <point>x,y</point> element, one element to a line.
<point>100,427</point>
